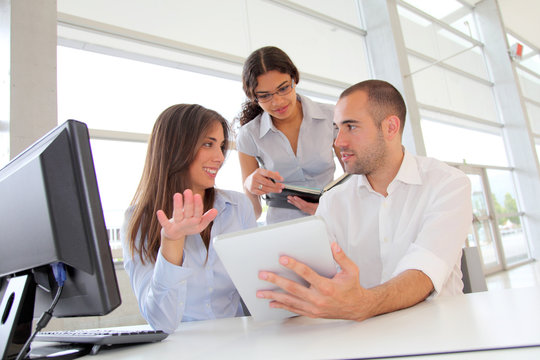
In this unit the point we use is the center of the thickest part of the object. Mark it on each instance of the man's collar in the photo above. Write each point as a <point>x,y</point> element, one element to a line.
<point>408,173</point>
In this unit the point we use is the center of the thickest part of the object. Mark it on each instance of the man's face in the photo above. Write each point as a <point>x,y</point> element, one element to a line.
<point>360,140</point>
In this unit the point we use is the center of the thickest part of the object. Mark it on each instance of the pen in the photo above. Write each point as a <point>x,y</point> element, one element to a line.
<point>261,164</point>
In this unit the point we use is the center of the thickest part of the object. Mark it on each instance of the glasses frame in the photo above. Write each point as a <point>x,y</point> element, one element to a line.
<point>277,92</point>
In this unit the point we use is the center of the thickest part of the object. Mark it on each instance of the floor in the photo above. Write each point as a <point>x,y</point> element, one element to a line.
<point>521,276</point>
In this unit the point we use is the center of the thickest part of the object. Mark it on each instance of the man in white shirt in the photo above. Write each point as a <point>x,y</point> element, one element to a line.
<point>402,221</point>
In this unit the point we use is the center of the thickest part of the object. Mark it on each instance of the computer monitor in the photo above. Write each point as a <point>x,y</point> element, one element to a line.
<point>50,212</point>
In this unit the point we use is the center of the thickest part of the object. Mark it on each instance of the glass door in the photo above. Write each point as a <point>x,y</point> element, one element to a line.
<point>484,231</point>
<point>510,219</point>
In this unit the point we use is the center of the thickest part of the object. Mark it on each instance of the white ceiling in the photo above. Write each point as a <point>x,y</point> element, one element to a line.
<point>521,17</point>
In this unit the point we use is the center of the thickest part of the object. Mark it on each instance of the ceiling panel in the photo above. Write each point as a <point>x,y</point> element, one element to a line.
<point>521,17</point>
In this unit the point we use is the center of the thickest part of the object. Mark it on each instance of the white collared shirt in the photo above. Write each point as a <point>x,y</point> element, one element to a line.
<point>312,166</point>
<point>201,288</point>
<point>422,223</point>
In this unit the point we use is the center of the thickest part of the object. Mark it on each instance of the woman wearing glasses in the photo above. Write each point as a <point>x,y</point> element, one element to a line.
<point>284,137</point>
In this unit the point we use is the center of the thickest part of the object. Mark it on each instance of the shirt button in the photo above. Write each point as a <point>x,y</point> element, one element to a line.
<point>385,239</point>
<point>207,305</point>
<point>210,289</point>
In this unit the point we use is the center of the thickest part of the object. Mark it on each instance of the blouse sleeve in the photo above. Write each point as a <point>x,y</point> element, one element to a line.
<point>249,220</point>
<point>245,143</point>
<point>160,288</point>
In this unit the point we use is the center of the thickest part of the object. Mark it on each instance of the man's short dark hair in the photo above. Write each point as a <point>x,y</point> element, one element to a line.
<point>383,99</point>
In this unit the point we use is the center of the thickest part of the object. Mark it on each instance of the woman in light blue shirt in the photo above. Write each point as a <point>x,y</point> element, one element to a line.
<point>176,211</point>
<point>284,137</point>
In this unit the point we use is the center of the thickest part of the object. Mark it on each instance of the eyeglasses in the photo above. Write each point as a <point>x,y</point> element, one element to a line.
<point>282,91</point>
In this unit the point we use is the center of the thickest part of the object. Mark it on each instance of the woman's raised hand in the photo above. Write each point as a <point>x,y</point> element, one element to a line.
<point>263,181</point>
<point>187,217</point>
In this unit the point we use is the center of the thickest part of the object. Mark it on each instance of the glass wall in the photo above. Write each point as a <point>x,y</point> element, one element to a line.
<point>117,71</point>
<point>508,218</point>
<point>460,121</point>
<point>528,71</point>
<point>134,95</point>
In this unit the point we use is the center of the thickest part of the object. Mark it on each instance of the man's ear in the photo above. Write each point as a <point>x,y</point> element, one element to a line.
<point>392,126</point>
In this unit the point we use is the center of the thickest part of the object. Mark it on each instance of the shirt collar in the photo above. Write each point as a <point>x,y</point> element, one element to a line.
<point>310,111</point>
<point>408,173</point>
<point>223,200</point>
<point>266,124</point>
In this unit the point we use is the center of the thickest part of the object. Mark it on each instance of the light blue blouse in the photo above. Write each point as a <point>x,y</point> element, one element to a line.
<point>200,289</point>
<point>313,165</point>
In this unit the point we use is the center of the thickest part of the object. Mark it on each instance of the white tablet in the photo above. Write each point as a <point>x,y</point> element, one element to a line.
<point>247,252</point>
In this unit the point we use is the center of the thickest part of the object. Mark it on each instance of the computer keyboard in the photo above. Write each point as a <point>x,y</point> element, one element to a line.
<point>102,337</point>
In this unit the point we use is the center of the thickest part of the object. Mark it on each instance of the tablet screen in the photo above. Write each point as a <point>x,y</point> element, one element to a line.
<point>247,252</point>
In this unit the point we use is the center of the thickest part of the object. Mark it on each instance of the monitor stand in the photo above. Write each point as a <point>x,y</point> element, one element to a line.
<point>17,312</point>
<point>59,351</point>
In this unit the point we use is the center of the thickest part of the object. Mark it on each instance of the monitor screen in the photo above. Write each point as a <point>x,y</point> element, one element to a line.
<point>50,212</point>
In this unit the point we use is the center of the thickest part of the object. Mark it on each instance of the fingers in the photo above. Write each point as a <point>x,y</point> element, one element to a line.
<point>188,203</point>
<point>345,263</point>
<point>162,218</point>
<point>290,286</point>
<point>207,218</point>
<point>306,206</point>
<point>293,289</point>
<point>285,301</point>
<point>198,206</point>
<point>271,174</point>
<point>296,298</point>
<point>265,181</point>
<point>178,207</point>
<point>302,270</point>
<point>187,217</point>
<point>265,186</point>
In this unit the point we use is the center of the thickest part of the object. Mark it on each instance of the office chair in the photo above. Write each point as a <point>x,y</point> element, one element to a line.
<point>471,268</point>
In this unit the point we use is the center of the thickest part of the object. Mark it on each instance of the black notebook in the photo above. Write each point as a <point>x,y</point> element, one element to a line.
<point>312,194</point>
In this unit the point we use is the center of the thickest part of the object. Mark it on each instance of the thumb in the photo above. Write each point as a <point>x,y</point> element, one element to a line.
<point>207,218</point>
<point>344,262</point>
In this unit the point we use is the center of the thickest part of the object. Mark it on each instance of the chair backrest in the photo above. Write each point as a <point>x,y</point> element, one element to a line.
<point>473,274</point>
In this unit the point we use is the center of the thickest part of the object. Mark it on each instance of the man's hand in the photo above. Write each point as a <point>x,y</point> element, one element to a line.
<point>341,297</point>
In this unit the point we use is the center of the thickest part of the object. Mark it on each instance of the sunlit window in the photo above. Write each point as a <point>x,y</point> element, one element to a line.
<point>508,218</point>
<point>123,95</point>
<point>461,145</point>
<point>114,93</point>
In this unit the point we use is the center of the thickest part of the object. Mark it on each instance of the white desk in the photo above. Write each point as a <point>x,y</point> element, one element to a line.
<point>468,323</point>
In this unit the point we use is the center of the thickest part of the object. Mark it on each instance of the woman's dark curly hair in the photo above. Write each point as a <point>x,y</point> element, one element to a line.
<point>260,62</point>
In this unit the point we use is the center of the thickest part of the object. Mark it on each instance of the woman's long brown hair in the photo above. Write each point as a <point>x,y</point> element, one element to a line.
<point>177,135</point>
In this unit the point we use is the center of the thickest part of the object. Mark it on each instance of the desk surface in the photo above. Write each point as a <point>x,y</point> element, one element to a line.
<point>486,321</point>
